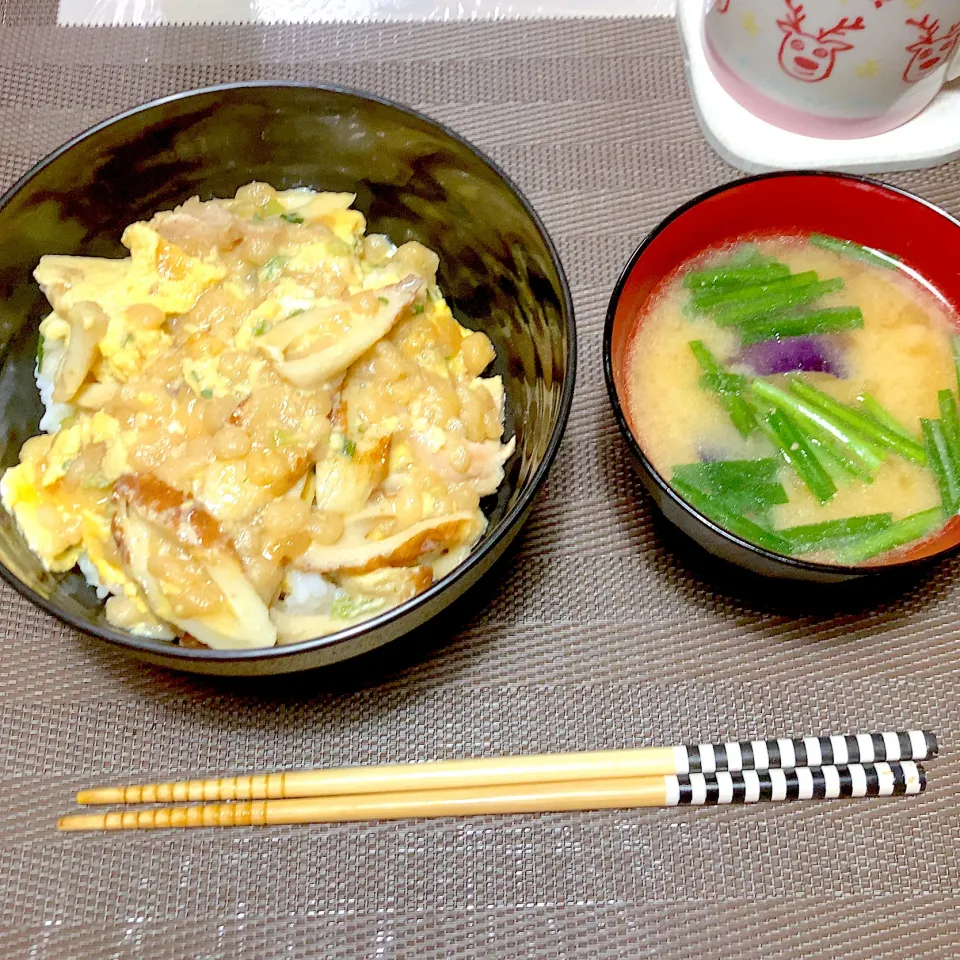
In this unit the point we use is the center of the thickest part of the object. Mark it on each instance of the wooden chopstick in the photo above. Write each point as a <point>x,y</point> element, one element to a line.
<point>748,786</point>
<point>706,758</point>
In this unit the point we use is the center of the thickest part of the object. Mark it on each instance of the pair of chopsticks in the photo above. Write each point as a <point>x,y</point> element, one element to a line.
<point>863,765</point>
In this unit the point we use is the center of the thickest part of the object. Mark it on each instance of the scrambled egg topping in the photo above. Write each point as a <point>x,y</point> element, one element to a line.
<point>262,426</point>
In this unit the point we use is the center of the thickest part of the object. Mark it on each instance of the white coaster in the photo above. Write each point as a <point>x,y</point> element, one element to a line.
<point>756,146</point>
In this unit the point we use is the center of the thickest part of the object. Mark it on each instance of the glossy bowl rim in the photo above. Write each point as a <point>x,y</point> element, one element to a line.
<point>514,516</point>
<point>794,563</point>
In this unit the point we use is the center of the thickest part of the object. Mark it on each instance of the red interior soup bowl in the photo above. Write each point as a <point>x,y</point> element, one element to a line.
<point>924,238</point>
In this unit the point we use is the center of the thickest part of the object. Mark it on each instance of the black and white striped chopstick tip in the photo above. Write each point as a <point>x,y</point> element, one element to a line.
<point>788,754</point>
<point>802,783</point>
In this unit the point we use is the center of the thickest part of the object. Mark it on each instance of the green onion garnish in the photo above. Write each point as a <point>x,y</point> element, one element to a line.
<point>711,298</point>
<point>780,326</point>
<point>820,536</point>
<point>944,469</point>
<point>291,217</point>
<point>346,607</point>
<point>728,388</point>
<point>747,255</point>
<point>796,450</point>
<point>96,481</point>
<point>822,425</point>
<point>850,249</point>
<point>273,267</point>
<point>842,469</point>
<point>730,520</point>
<point>898,534</point>
<point>869,428</point>
<point>743,486</point>
<point>728,277</point>
<point>951,424</point>
<point>774,302</point>
<point>955,343</point>
<point>883,416</point>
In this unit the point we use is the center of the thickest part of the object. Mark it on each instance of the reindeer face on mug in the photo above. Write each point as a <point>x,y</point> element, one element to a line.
<point>931,50</point>
<point>811,56</point>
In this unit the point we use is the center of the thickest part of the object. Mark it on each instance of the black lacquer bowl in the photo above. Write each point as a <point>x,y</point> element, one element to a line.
<point>414,180</point>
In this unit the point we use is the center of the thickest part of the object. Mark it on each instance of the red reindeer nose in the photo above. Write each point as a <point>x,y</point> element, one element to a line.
<point>805,63</point>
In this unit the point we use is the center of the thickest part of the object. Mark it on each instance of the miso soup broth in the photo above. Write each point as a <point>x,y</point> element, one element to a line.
<point>801,391</point>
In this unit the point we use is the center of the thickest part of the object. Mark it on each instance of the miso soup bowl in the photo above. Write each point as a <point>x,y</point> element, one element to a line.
<point>925,237</point>
<point>414,180</point>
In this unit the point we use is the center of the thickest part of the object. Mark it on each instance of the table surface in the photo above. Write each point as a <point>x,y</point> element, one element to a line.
<point>602,629</point>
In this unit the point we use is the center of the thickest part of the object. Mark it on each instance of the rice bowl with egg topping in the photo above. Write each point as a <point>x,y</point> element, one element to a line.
<point>261,427</point>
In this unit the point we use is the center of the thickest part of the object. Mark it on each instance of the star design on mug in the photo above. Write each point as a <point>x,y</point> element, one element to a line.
<point>913,4</point>
<point>749,23</point>
<point>869,68</point>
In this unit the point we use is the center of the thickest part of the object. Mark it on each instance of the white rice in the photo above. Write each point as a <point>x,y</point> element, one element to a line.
<point>54,413</point>
<point>92,576</point>
<point>308,593</point>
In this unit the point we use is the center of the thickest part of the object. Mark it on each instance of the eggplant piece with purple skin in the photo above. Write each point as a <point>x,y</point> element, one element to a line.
<point>794,354</point>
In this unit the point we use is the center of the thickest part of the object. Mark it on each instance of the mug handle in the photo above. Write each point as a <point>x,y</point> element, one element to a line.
<point>953,71</point>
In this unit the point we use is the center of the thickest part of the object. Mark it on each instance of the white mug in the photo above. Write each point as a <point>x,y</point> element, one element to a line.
<point>834,68</point>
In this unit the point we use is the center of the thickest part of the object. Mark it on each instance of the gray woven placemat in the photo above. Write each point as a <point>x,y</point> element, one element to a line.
<point>600,631</point>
